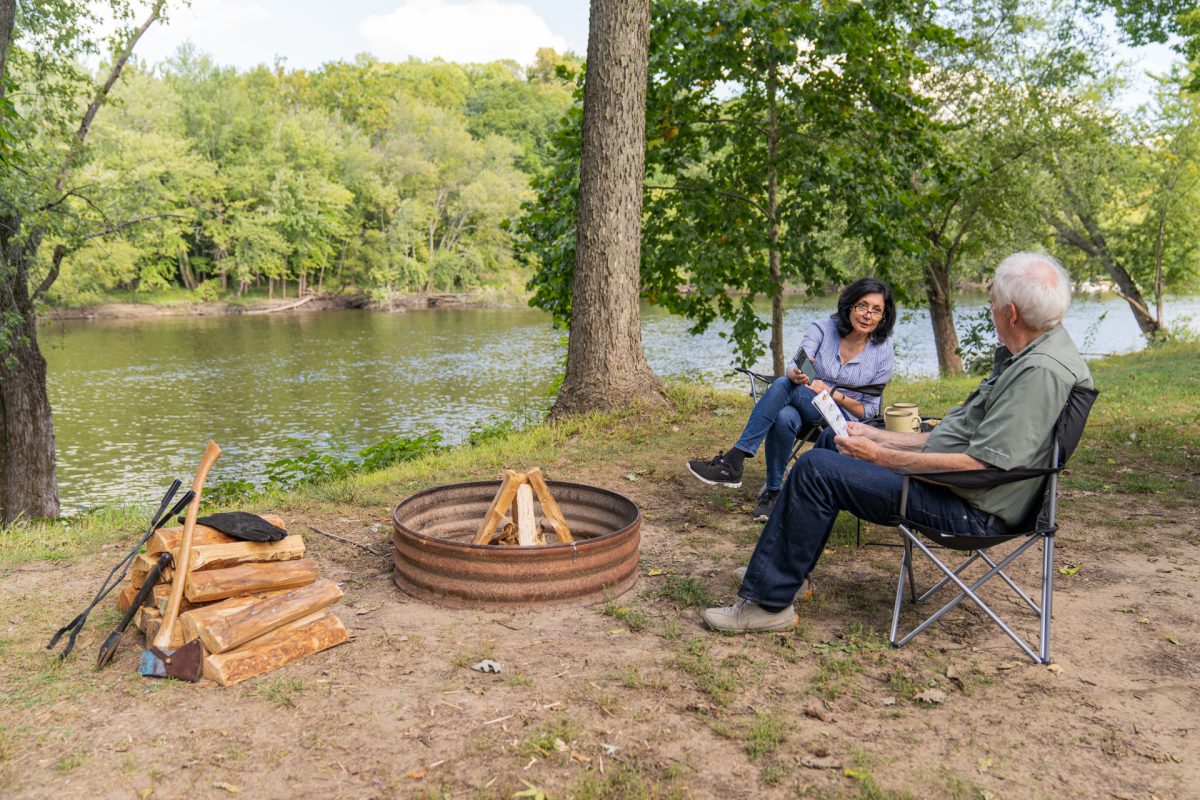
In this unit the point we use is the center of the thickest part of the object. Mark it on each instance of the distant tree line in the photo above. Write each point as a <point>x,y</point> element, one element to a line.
<point>366,176</point>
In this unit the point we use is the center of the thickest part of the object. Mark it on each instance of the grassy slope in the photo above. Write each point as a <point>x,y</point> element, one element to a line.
<point>1143,437</point>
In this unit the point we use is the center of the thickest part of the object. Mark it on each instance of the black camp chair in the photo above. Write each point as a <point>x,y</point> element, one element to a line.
<point>1040,525</point>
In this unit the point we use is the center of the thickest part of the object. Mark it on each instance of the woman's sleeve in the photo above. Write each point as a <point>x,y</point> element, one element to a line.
<point>883,374</point>
<point>812,340</point>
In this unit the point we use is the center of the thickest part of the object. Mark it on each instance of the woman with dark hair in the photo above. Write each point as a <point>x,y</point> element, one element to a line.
<point>850,348</point>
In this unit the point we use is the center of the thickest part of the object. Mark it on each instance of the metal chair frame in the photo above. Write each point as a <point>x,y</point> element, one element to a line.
<point>1040,525</point>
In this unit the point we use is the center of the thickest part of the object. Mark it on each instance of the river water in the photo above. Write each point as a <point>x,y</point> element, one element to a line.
<point>135,400</point>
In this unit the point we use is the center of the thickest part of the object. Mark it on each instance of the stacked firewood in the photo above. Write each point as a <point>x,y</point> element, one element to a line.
<point>254,606</point>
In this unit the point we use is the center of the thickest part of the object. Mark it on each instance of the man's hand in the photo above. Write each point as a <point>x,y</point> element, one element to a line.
<point>866,431</point>
<point>858,446</point>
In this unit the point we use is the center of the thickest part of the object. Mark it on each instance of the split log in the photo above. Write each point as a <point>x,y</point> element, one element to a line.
<point>523,516</point>
<point>169,538</point>
<point>273,650</point>
<point>499,507</point>
<point>150,620</point>
<point>233,630</point>
<point>125,597</point>
<point>219,556</point>
<point>217,584</point>
<point>141,567</point>
<point>202,616</point>
<point>550,509</point>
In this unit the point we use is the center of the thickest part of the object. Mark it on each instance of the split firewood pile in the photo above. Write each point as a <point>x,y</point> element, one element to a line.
<point>511,520</point>
<point>254,606</point>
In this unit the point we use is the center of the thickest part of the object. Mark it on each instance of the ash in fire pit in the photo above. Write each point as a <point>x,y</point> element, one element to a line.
<point>438,560</point>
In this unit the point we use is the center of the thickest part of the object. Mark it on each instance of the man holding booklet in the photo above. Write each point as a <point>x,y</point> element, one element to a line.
<point>1006,423</point>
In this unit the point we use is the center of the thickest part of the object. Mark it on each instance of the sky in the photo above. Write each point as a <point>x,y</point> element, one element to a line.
<point>309,33</point>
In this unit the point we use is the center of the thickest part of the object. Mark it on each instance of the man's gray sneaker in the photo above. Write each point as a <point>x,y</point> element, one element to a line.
<point>804,595</point>
<point>717,472</point>
<point>746,617</point>
<point>766,503</point>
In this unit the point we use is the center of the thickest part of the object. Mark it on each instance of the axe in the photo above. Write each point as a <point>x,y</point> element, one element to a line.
<point>184,662</point>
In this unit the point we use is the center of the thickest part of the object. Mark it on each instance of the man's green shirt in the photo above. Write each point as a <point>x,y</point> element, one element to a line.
<point>1008,422</point>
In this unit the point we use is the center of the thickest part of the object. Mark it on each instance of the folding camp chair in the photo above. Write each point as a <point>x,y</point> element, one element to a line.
<point>1040,525</point>
<point>812,431</point>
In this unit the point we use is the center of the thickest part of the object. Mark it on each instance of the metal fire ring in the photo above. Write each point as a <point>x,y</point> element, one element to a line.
<point>436,561</point>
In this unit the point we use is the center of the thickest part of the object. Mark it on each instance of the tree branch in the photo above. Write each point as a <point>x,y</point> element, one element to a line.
<point>733,195</point>
<point>102,93</point>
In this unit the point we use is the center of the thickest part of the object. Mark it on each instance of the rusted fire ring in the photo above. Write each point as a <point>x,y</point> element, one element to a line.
<point>436,561</point>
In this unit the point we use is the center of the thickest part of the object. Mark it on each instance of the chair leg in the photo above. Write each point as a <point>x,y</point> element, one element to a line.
<point>905,570</point>
<point>966,591</point>
<point>908,565</point>
<point>1047,594</point>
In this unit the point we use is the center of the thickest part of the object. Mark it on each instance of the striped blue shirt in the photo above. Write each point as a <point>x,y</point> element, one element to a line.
<point>873,365</point>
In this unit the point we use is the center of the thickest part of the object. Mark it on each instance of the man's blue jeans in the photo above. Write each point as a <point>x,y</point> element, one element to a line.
<point>822,483</point>
<point>778,416</point>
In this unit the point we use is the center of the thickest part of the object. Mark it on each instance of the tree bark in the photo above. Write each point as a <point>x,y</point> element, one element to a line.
<point>28,483</point>
<point>777,357</point>
<point>606,366</point>
<point>941,315</point>
<point>8,15</point>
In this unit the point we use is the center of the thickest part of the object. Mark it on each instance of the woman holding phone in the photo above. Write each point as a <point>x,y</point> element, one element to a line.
<point>851,348</point>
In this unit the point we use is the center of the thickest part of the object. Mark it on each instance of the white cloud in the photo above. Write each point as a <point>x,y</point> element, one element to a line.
<point>480,30</point>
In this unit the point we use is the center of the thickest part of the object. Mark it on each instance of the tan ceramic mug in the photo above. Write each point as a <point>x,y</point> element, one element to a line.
<point>902,417</point>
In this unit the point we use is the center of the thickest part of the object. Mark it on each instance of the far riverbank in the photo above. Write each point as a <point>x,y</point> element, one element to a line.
<point>325,302</point>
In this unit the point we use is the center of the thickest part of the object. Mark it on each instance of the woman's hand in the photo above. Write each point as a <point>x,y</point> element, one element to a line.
<point>819,386</point>
<point>796,376</point>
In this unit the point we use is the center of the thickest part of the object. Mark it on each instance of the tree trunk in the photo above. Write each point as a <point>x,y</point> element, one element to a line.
<point>606,366</point>
<point>8,15</point>
<point>777,357</point>
<point>941,315</point>
<point>28,483</point>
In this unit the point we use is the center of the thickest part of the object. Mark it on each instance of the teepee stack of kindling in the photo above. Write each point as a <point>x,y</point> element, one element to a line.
<point>254,606</point>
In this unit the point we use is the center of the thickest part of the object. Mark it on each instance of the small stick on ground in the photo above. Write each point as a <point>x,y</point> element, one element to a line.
<point>366,547</point>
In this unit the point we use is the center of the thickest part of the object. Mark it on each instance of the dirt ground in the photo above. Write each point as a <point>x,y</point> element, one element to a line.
<point>635,698</point>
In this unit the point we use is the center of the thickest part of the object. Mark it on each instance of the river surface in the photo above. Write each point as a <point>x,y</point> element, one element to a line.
<point>135,400</point>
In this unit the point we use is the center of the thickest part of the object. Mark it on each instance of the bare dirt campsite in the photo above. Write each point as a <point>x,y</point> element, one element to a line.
<point>633,698</point>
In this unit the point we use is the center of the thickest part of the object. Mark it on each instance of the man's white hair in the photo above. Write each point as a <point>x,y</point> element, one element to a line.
<point>1037,285</point>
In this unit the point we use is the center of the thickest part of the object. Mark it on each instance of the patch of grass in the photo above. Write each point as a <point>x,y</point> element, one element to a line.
<point>719,682</point>
<point>632,619</point>
<point>541,743</point>
<point>686,592</point>
<point>54,540</point>
<point>281,692</point>
<point>69,761</point>
<point>773,774</point>
<point>469,657</point>
<point>629,782</point>
<point>766,734</point>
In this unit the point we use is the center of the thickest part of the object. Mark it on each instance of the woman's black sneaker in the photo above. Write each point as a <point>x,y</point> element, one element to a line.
<point>717,472</point>
<point>766,503</point>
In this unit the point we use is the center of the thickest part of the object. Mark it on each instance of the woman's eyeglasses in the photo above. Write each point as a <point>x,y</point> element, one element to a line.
<point>868,311</point>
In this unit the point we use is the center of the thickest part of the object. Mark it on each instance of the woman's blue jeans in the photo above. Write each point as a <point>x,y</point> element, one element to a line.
<point>778,417</point>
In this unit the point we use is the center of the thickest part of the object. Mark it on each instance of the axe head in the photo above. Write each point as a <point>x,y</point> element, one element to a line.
<point>182,663</point>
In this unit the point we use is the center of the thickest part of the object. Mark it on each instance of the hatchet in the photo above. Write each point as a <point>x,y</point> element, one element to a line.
<point>183,663</point>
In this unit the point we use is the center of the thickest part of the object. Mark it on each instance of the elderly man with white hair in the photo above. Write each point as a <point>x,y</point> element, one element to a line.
<point>1006,423</point>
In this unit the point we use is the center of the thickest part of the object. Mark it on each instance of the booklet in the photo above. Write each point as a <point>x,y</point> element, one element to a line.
<point>832,414</point>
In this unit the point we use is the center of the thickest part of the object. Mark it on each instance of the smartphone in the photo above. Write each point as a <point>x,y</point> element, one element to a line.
<point>805,364</point>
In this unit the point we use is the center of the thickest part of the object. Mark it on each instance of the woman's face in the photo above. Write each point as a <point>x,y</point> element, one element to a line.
<point>867,313</point>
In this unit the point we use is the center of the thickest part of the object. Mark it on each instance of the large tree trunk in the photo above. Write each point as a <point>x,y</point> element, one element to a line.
<point>777,357</point>
<point>941,315</point>
<point>28,483</point>
<point>606,367</point>
<point>8,15</point>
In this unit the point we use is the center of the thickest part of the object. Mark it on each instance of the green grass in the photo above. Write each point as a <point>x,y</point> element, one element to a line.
<point>631,618</point>
<point>281,692</point>
<point>542,743</point>
<point>686,592</point>
<point>718,681</point>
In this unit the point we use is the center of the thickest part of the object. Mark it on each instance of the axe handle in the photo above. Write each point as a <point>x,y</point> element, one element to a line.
<point>182,562</point>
